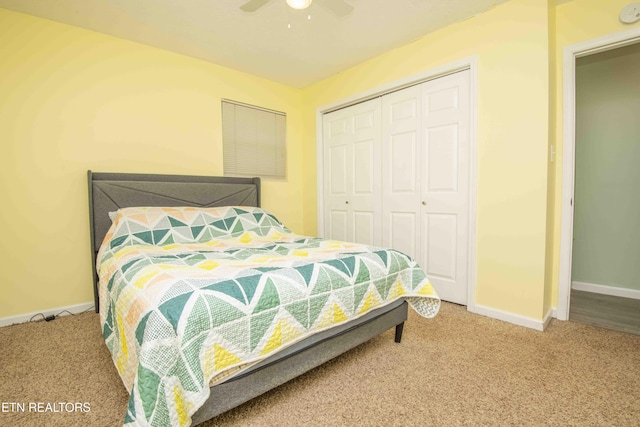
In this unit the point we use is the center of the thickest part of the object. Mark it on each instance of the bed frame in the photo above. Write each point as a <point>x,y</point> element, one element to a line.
<point>111,191</point>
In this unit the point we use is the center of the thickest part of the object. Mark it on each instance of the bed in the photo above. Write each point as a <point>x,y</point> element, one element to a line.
<point>224,253</point>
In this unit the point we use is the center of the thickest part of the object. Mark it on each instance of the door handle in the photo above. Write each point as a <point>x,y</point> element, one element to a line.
<point>346,203</point>
<point>424,203</point>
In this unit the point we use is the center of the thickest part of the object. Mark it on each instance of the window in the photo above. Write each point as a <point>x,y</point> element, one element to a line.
<point>253,141</point>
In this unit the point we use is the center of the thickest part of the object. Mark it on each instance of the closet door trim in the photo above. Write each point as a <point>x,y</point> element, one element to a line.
<point>469,63</point>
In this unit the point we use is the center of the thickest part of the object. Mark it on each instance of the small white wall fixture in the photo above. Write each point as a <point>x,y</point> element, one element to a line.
<point>570,54</point>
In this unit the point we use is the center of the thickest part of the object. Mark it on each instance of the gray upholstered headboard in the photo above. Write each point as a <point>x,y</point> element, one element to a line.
<point>110,191</point>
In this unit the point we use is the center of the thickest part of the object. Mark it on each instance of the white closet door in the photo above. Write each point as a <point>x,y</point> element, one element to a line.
<point>445,185</point>
<point>401,171</point>
<point>425,170</point>
<point>396,174</point>
<point>351,157</point>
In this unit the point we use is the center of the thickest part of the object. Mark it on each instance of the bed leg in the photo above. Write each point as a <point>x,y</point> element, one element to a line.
<point>399,332</point>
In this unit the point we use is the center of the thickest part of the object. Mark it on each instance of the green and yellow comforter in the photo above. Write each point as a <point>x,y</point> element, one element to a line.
<point>191,296</point>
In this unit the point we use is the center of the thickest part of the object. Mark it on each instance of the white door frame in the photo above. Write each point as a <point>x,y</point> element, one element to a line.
<point>570,54</point>
<point>469,63</point>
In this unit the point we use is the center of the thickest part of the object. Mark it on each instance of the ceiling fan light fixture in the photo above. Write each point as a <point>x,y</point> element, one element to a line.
<point>299,4</point>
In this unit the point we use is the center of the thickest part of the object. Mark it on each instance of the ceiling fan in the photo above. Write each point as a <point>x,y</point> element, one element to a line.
<point>338,7</point>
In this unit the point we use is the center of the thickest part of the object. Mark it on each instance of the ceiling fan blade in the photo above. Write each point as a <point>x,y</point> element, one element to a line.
<point>339,7</point>
<point>253,5</point>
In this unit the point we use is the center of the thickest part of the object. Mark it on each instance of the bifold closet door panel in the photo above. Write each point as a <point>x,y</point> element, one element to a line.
<point>351,173</point>
<point>444,199</point>
<point>401,170</point>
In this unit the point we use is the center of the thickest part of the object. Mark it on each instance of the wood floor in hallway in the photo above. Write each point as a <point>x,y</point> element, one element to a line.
<point>605,311</point>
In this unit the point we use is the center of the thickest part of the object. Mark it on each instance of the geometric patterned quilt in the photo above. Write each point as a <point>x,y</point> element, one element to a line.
<point>192,296</point>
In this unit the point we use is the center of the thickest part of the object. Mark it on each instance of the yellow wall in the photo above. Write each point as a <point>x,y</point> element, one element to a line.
<point>511,44</point>
<point>575,22</point>
<point>519,48</point>
<point>72,100</point>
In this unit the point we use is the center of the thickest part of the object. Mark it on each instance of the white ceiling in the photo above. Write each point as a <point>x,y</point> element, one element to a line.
<point>261,43</point>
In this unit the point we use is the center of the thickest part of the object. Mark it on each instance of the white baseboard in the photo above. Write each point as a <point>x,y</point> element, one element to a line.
<point>606,290</point>
<point>516,319</point>
<point>60,311</point>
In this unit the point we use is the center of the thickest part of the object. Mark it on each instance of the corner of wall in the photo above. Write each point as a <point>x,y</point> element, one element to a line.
<point>550,279</point>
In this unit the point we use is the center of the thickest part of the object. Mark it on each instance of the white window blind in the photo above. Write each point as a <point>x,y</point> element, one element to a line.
<point>253,141</point>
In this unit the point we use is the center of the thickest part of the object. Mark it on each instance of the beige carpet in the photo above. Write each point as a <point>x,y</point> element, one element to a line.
<point>458,369</point>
